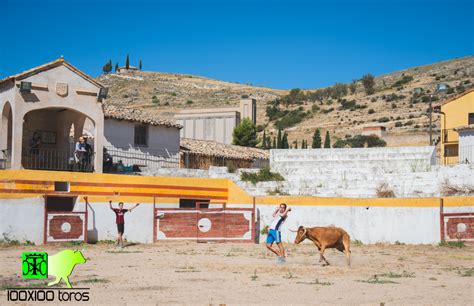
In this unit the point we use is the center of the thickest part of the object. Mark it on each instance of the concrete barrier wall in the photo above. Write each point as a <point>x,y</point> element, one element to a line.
<point>361,160</point>
<point>22,219</point>
<point>408,220</point>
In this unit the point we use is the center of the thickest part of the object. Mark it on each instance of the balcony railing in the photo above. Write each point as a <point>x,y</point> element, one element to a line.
<point>123,160</point>
<point>56,159</point>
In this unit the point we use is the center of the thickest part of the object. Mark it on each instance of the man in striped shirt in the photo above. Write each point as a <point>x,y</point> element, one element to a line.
<point>274,234</point>
<point>120,220</point>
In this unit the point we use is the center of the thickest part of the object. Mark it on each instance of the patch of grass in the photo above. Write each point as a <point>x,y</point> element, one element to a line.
<point>399,243</point>
<point>123,252</point>
<point>95,281</point>
<point>404,274</point>
<point>24,285</point>
<point>263,175</point>
<point>316,282</point>
<point>376,280</point>
<point>452,244</point>
<point>106,242</point>
<point>254,276</point>
<point>289,276</point>
<point>264,230</point>
<point>356,242</point>
<point>186,269</point>
<point>466,272</point>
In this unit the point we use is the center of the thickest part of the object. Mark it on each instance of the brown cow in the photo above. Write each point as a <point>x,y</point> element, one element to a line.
<point>326,238</point>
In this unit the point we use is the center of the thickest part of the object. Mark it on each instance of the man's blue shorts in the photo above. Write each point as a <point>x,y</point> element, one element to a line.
<point>273,236</point>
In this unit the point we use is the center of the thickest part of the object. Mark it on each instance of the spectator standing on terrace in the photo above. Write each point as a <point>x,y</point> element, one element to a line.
<point>35,143</point>
<point>80,151</point>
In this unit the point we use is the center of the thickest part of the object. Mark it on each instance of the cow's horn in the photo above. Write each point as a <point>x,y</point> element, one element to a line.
<point>294,231</point>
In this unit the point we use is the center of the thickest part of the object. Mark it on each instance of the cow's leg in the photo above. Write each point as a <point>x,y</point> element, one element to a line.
<point>347,250</point>
<point>57,280</point>
<point>321,255</point>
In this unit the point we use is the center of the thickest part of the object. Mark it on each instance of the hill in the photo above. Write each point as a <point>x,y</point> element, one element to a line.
<point>400,100</point>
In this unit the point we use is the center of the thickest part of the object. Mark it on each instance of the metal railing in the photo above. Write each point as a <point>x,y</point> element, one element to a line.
<point>6,159</point>
<point>56,159</point>
<point>133,159</point>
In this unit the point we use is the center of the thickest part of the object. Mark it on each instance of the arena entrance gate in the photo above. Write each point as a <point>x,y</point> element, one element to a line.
<point>217,223</point>
<point>61,222</point>
<point>456,226</point>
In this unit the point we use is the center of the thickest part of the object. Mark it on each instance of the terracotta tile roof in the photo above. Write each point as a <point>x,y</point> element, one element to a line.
<point>60,61</point>
<point>216,149</point>
<point>464,127</point>
<point>136,115</point>
<point>454,98</point>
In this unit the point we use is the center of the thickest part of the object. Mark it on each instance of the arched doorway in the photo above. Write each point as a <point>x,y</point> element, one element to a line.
<point>6,136</point>
<point>49,141</point>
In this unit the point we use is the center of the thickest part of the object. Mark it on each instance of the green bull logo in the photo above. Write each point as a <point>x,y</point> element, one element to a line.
<point>60,265</point>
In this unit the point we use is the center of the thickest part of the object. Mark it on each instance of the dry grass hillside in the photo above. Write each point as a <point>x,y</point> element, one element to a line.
<point>400,101</point>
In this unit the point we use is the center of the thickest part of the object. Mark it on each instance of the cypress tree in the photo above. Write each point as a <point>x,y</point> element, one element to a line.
<point>140,66</point>
<point>316,140</point>
<point>264,140</point>
<point>116,67</point>
<point>127,62</point>
<point>274,146</point>
<point>279,140</point>
<point>284,141</point>
<point>327,141</point>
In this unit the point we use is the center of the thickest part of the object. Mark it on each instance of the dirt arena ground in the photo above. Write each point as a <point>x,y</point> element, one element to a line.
<point>192,273</point>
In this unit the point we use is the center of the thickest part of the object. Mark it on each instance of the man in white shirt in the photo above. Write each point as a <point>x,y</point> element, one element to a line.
<point>274,234</point>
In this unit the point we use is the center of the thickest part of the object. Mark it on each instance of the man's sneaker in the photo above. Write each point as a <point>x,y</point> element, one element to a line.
<point>280,260</point>
<point>283,260</point>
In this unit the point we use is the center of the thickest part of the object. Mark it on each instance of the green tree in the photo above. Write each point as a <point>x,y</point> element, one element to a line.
<point>284,141</point>
<point>274,146</point>
<point>245,134</point>
<point>369,82</point>
<point>127,62</point>
<point>295,143</point>
<point>279,140</point>
<point>140,65</point>
<point>327,141</point>
<point>316,140</point>
<point>107,67</point>
<point>116,67</point>
<point>264,140</point>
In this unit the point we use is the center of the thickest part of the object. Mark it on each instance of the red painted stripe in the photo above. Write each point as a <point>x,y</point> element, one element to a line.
<point>137,194</point>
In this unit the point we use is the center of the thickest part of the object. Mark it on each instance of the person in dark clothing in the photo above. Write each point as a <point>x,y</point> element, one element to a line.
<point>120,220</point>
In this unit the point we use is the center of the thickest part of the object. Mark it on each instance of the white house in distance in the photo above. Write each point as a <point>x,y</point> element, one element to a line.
<point>57,103</point>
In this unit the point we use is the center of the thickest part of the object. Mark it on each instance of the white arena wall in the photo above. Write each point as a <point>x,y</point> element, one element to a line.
<point>23,219</point>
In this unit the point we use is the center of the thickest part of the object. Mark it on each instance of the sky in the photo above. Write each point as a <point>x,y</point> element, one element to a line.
<point>280,44</point>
